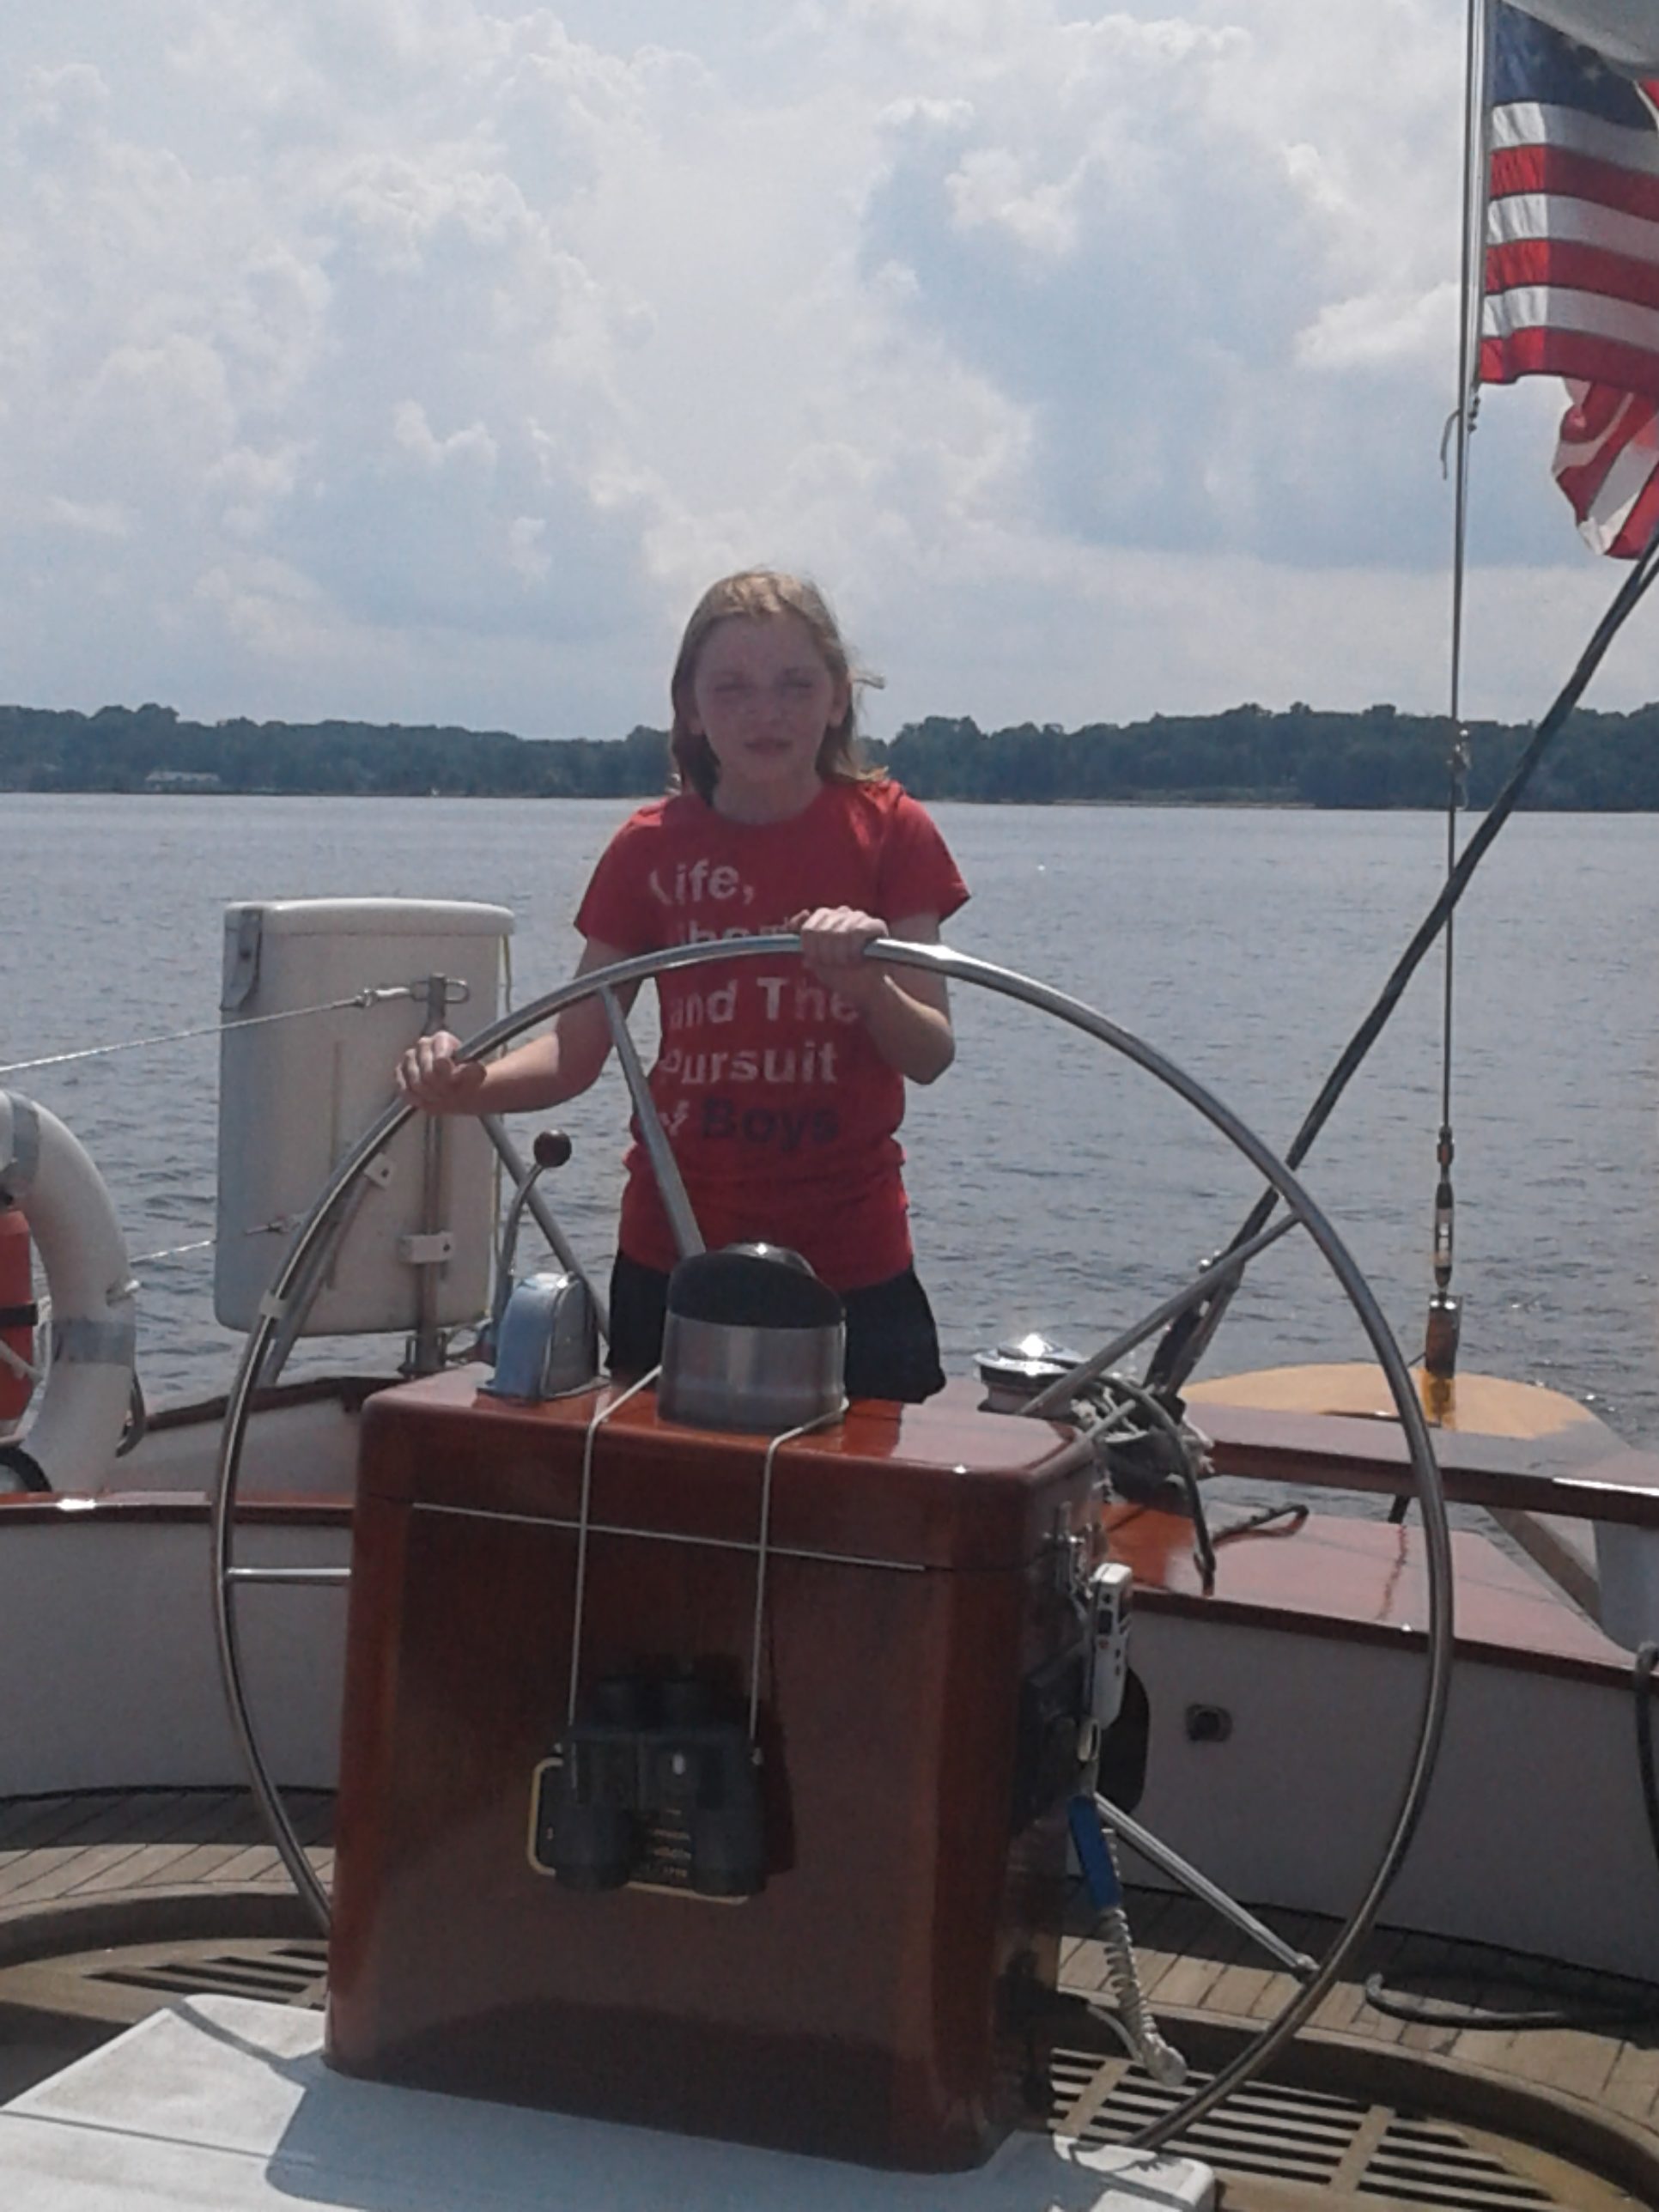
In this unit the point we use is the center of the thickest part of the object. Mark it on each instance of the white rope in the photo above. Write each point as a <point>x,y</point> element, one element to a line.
<point>143,1259</point>
<point>174,1252</point>
<point>370,997</point>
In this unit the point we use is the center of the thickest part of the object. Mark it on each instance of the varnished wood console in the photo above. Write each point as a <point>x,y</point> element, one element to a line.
<point>875,1999</point>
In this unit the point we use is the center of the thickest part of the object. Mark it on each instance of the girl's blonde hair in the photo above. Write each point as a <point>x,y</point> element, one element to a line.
<point>755,593</point>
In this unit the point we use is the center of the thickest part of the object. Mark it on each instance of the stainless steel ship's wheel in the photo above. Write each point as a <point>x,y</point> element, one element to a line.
<point>289,1289</point>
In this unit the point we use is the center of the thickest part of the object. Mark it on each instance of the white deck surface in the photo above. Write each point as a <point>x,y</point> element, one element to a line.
<point>224,2104</point>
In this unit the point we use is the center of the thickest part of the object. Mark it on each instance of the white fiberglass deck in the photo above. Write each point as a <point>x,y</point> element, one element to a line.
<point>224,2104</point>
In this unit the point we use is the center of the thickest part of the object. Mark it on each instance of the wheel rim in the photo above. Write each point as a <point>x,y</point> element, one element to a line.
<point>956,968</point>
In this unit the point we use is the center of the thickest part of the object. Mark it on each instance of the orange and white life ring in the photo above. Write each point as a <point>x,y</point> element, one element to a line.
<point>46,1175</point>
<point>17,1319</point>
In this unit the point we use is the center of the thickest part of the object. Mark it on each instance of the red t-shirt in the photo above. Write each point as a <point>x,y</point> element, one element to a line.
<point>779,1110</point>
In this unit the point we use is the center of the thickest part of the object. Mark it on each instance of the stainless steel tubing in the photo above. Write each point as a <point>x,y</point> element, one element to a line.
<point>957,967</point>
<point>688,1237</point>
<point>542,1215</point>
<point>1171,1862</point>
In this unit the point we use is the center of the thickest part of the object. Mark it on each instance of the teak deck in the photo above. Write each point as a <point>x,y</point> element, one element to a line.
<point>98,1858</point>
<point>136,1866</point>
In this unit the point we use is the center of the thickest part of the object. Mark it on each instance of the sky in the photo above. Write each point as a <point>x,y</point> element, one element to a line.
<point>421,361</point>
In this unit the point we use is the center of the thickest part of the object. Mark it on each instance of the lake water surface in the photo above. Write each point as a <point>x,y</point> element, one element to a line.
<point>1053,1185</point>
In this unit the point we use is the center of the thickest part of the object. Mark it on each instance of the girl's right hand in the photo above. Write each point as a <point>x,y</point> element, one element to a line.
<point>430,1076</point>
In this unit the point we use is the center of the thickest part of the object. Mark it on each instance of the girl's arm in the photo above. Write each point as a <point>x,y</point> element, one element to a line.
<point>560,1064</point>
<point>906,1011</point>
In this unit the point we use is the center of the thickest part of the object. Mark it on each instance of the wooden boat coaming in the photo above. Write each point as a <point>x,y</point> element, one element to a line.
<point>1335,1576</point>
<point>1537,1451</point>
<point>130,1508</point>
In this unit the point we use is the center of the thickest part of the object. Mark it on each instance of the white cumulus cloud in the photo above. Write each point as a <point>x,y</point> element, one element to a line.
<point>423,359</point>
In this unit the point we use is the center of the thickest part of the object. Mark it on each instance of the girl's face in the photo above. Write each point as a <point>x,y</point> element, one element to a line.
<point>763,698</point>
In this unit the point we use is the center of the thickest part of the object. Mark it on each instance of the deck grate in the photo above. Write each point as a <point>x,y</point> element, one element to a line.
<point>282,1973</point>
<point>1316,2146</point>
<point>1270,2132</point>
<point>1431,2162</point>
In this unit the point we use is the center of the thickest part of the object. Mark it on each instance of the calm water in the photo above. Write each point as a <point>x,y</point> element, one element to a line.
<point>1053,1185</point>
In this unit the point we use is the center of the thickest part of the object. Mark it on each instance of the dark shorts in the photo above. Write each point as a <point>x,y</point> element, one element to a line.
<point>892,1345</point>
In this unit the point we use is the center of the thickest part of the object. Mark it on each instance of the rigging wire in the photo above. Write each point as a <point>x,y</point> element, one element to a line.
<point>1440,1346</point>
<point>1187,1339</point>
<point>371,996</point>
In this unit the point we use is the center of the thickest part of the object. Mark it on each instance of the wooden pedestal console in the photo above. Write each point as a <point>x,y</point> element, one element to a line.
<point>919,1648</point>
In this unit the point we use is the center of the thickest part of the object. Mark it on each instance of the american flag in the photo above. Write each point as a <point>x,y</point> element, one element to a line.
<point>1572,264</point>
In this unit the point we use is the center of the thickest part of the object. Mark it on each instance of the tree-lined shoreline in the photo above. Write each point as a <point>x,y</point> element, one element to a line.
<point>1249,754</point>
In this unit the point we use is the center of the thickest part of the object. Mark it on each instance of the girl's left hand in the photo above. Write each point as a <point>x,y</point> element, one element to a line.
<point>833,938</point>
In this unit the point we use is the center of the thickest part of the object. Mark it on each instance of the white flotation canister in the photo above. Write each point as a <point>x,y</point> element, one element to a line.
<point>46,1175</point>
<point>320,997</point>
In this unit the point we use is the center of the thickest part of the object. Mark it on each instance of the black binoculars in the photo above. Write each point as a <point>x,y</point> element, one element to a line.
<point>654,1785</point>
